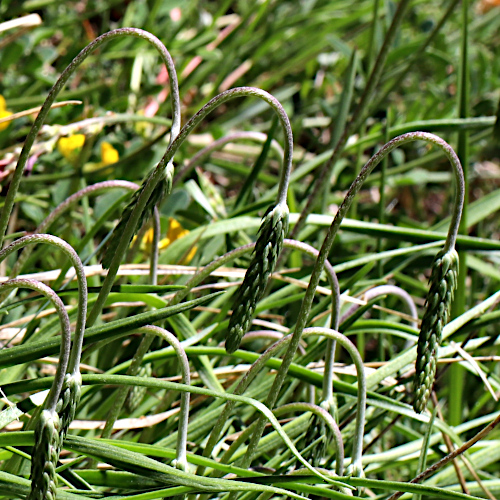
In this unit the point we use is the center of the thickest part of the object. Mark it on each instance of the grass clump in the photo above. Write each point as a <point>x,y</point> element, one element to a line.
<point>205,363</point>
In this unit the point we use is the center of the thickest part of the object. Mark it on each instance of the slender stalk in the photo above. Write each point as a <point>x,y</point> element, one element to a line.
<point>384,290</point>
<point>63,207</point>
<point>165,169</point>
<point>220,143</point>
<point>77,61</point>
<point>327,244</point>
<point>260,407</point>
<point>361,404</point>
<point>259,364</point>
<point>48,293</point>
<point>330,423</point>
<point>48,239</point>
<point>180,461</point>
<point>186,379</point>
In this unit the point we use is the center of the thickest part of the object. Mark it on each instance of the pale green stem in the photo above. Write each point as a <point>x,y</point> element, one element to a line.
<point>330,423</point>
<point>30,139</point>
<point>218,144</point>
<point>279,412</point>
<point>242,386</point>
<point>361,405</point>
<point>260,407</point>
<point>270,351</point>
<point>48,239</point>
<point>63,207</point>
<point>165,163</point>
<point>180,461</point>
<point>327,244</point>
<point>122,392</point>
<point>387,290</point>
<point>48,293</point>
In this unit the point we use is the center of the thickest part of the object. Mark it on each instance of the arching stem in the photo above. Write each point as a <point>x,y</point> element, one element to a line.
<point>48,239</point>
<point>121,395</point>
<point>361,405</point>
<point>384,290</point>
<point>63,207</point>
<point>77,61</point>
<point>48,293</point>
<point>327,244</point>
<point>164,168</point>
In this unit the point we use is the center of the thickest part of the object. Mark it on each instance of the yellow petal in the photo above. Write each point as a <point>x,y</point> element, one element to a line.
<point>175,230</point>
<point>109,154</point>
<point>189,257</point>
<point>70,146</point>
<point>164,243</point>
<point>4,114</point>
<point>3,105</point>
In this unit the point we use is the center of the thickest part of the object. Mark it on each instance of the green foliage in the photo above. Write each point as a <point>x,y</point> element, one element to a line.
<point>336,71</point>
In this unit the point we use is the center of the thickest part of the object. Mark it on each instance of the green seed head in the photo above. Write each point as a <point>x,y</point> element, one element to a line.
<point>442,283</point>
<point>158,194</point>
<point>68,402</point>
<point>44,457</point>
<point>272,231</point>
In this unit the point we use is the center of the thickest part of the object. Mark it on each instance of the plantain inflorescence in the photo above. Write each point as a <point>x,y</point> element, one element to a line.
<point>272,232</point>
<point>68,402</point>
<point>443,282</point>
<point>45,455</point>
<point>157,196</point>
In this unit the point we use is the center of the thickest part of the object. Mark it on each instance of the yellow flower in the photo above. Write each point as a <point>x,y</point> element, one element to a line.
<point>70,146</point>
<point>109,154</point>
<point>175,232</point>
<point>4,113</point>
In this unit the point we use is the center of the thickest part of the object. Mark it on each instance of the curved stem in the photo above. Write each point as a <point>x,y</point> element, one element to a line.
<point>218,144</point>
<point>121,395</point>
<point>361,405</point>
<point>166,164</point>
<point>330,423</point>
<point>65,205</point>
<point>269,335</point>
<point>48,293</point>
<point>282,410</point>
<point>327,244</point>
<point>48,239</point>
<point>30,139</point>
<point>92,189</point>
<point>180,461</point>
<point>384,290</point>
